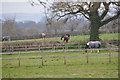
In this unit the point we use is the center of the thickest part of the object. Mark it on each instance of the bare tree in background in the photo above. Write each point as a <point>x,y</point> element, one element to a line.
<point>111,27</point>
<point>0,30</point>
<point>84,29</point>
<point>8,27</point>
<point>55,26</point>
<point>72,24</point>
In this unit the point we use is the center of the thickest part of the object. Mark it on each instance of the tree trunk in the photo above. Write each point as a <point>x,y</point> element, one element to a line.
<point>94,31</point>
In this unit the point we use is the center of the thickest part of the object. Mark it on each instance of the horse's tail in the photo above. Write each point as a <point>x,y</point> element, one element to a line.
<point>62,37</point>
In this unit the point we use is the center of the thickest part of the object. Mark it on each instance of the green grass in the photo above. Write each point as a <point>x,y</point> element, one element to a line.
<point>107,36</point>
<point>63,71</point>
<point>97,67</point>
<point>110,36</point>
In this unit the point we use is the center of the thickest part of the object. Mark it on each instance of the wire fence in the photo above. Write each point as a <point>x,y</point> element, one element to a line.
<point>63,57</point>
<point>39,56</point>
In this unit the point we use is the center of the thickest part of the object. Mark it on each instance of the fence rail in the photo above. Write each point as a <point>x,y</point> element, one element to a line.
<point>65,57</point>
<point>12,48</point>
<point>61,57</point>
<point>45,46</point>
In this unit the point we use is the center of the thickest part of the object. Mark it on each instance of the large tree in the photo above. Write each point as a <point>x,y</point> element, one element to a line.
<point>98,13</point>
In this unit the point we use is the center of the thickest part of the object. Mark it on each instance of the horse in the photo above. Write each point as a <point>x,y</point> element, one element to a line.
<point>66,37</point>
<point>93,44</point>
<point>43,35</point>
<point>6,38</point>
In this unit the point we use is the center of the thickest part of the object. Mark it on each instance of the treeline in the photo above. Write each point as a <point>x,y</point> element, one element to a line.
<point>31,29</point>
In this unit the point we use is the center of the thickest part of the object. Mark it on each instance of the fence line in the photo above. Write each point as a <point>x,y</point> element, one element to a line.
<point>38,47</point>
<point>42,47</point>
<point>61,57</point>
<point>62,50</point>
<point>65,57</point>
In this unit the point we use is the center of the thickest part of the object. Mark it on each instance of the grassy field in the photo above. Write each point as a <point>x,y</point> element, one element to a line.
<point>107,36</point>
<point>76,67</point>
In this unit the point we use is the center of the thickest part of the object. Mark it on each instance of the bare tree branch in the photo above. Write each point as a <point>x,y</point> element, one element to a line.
<point>110,19</point>
<point>106,5</point>
<point>85,16</point>
<point>63,16</point>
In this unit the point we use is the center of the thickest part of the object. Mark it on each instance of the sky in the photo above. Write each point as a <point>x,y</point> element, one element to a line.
<point>21,9</point>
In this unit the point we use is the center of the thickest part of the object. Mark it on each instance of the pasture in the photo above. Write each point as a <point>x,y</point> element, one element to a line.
<point>107,36</point>
<point>74,65</point>
<point>64,64</point>
<point>76,42</point>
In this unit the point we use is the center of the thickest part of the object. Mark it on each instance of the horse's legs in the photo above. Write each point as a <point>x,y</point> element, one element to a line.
<point>66,41</point>
<point>98,51</point>
<point>91,51</point>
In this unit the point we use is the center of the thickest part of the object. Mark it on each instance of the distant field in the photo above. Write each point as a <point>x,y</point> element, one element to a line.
<point>108,36</point>
<point>76,67</point>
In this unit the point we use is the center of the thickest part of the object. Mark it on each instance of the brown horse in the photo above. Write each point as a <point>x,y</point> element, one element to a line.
<point>66,37</point>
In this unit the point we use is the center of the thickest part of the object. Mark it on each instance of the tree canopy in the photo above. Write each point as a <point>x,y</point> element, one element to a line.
<point>97,13</point>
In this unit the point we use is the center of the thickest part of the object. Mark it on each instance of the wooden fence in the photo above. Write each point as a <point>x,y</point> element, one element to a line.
<point>66,56</point>
<point>41,47</point>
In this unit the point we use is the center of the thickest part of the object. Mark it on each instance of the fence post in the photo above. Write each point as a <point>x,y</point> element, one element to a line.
<point>42,61</point>
<point>64,57</point>
<point>63,48</point>
<point>39,47</point>
<point>109,50</point>
<point>64,60</point>
<point>66,47</point>
<point>19,59</point>
<point>109,57</point>
<point>25,47</point>
<point>53,47</point>
<point>87,57</point>
<point>12,48</point>
<point>9,48</point>
<point>65,54</point>
<point>78,45</point>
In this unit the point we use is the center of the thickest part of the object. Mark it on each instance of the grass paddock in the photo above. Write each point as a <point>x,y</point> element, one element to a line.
<point>69,67</point>
<point>75,67</point>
